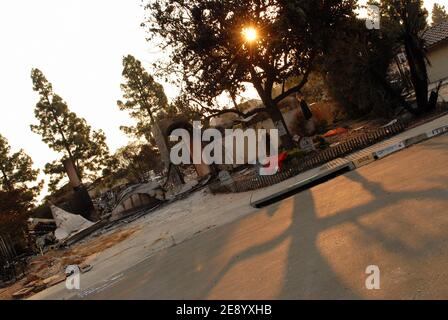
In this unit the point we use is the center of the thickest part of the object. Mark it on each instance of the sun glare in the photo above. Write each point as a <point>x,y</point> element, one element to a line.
<point>250,34</point>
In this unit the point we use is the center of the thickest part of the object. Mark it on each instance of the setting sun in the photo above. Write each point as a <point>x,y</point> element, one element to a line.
<point>250,34</point>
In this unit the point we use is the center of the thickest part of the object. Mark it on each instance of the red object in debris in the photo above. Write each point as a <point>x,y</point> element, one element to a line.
<point>281,158</point>
<point>335,132</point>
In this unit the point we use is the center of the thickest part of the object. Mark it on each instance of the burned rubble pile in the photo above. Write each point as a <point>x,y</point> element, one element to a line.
<point>40,233</point>
<point>67,238</point>
<point>49,269</point>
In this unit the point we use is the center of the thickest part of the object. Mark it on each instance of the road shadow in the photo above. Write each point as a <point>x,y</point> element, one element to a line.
<point>196,268</point>
<point>308,274</point>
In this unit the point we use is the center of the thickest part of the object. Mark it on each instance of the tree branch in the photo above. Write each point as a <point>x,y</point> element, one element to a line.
<point>219,112</point>
<point>216,113</point>
<point>294,89</point>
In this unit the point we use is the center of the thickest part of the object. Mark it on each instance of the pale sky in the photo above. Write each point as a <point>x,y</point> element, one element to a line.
<point>79,45</point>
<point>428,4</point>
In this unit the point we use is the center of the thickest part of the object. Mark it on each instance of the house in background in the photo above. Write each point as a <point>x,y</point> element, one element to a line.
<point>436,39</point>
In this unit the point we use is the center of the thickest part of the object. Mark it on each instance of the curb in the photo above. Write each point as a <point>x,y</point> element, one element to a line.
<point>437,132</point>
<point>262,198</point>
<point>259,198</point>
<point>380,154</point>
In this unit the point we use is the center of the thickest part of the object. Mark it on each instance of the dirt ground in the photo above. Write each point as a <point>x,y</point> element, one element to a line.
<point>48,269</point>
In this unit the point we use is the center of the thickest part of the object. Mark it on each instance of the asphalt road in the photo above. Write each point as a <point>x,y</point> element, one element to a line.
<point>392,214</point>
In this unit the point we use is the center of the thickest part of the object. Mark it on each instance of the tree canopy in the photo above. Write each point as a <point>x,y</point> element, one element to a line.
<point>144,99</point>
<point>18,187</point>
<point>407,20</point>
<point>357,70</point>
<point>211,54</point>
<point>66,133</point>
<point>439,14</point>
<point>16,169</point>
<point>135,160</point>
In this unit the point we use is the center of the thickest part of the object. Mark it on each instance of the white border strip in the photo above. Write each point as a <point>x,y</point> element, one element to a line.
<point>389,150</point>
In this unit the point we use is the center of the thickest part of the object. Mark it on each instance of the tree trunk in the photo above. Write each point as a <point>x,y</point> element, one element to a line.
<point>164,151</point>
<point>64,140</point>
<point>419,76</point>
<point>7,182</point>
<point>265,93</point>
<point>393,94</point>
<point>279,122</point>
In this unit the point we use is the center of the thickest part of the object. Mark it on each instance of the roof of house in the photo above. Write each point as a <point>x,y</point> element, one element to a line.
<point>436,34</point>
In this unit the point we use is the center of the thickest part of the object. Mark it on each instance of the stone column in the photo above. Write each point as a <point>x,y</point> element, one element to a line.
<point>161,141</point>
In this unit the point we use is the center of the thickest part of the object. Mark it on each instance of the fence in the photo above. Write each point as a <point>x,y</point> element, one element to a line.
<point>254,181</point>
<point>12,265</point>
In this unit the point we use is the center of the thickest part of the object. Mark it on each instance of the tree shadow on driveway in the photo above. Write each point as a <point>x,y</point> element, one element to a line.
<point>285,251</point>
<point>308,273</point>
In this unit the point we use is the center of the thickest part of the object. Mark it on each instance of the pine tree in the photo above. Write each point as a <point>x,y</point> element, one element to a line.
<point>135,160</point>
<point>18,186</point>
<point>439,14</point>
<point>66,133</point>
<point>144,99</point>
